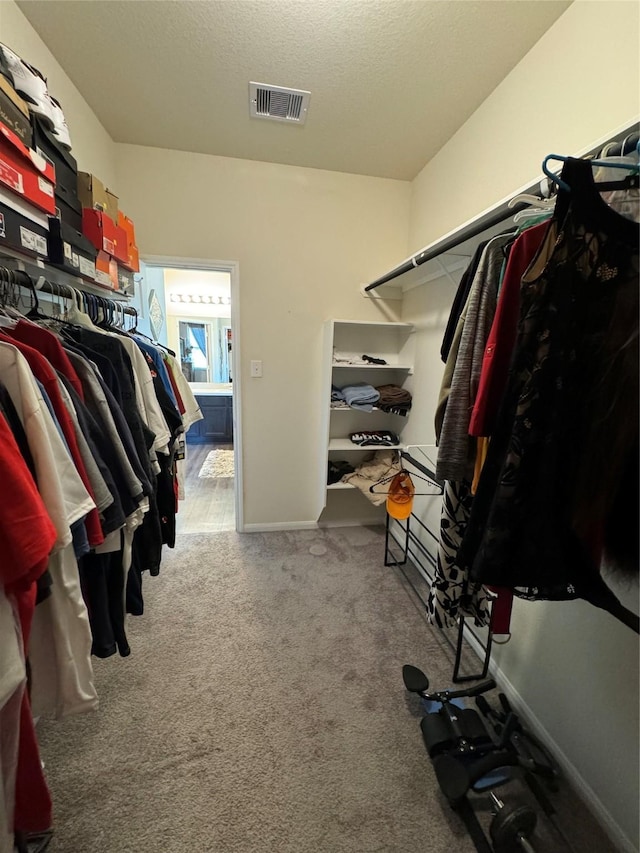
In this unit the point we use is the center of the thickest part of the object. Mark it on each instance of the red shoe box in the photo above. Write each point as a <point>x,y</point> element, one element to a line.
<point>122,246</point>
<point>100,230</point>
<point>133,261</point>
<point>127,224</point>
<point>25,172</point>
<point>107,271</point>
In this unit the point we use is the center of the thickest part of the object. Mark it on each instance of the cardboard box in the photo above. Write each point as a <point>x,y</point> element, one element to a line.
<point>70,250</point>
<point>121,253</point>
<point>68,207</point>
<point>133,259</point>
<point>25,172</point>
<point>21,233</point>
<point>100,229</point>
<point>24,208</point>
<point>91,191</point>
<point>14,97</point>
<point>112,206</point>
<point>46,143</point>
<point>13,117</point>
<point>126,281</point>
<point>127,224</point>
<point>106,270</point>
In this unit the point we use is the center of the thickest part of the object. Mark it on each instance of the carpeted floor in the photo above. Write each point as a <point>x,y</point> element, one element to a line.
<point>261,710</point>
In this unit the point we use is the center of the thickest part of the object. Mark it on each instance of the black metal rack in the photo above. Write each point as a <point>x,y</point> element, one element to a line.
<point>413,549</point>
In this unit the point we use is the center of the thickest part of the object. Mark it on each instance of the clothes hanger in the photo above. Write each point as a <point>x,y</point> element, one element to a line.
<point>412,474</point>
<point>528,198</point>
<point>565,186</point>
<point>634,140</point>
<point>538,206</point>
<point>6,320</point>
<point>75,314</point>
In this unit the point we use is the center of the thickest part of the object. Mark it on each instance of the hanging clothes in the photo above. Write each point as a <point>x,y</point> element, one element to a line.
<point>501,339</point>
<point>561,470</point>
<point>451,594</point>
<point>89,425</point>
<point>456,453</point>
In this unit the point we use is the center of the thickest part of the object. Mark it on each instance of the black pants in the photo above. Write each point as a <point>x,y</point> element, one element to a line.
<point>102,581</point>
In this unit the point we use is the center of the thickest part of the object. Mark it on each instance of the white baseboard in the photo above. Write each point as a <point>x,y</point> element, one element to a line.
<point>587,793</point>
<point>269,526</point>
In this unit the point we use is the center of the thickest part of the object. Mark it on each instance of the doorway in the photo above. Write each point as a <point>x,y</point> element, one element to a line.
<point>191,308</point>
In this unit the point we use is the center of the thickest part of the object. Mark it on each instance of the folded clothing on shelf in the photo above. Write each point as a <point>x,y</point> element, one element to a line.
<point>373,438</point>
<point>348,359</point>
<point>361,396</point>
<point>383,464</point>
<point>336,394</point>
<point>336,470</point>
<point>394,399</point>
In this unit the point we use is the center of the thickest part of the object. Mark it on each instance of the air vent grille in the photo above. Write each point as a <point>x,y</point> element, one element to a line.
<point>278,103</point>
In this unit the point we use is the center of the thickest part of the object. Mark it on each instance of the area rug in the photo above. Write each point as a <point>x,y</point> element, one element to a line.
<point>219,463</point>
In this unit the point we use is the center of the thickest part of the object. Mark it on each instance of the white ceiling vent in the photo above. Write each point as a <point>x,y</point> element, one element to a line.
<point>278,103</point>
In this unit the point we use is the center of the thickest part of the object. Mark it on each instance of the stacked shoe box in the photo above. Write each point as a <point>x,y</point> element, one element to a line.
<point>127,268</point>
<point>56,236</point>
<point>47,207</point>
<point>110,231</point>
<point>99,216</point>
<point>68,247</point>
<point>27,181</point>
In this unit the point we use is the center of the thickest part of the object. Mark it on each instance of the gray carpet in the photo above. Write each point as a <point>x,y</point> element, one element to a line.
<point>261,710</point>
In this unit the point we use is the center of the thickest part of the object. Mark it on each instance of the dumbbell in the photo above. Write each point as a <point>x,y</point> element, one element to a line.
<point>512,825</point>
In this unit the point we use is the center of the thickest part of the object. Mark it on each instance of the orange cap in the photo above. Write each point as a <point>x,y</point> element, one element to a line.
<point>400,497</point>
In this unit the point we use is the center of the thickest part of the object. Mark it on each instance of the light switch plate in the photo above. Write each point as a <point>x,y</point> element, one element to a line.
<point>256,369</point>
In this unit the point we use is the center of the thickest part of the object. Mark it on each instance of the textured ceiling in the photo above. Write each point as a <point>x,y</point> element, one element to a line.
<point>390,80</point>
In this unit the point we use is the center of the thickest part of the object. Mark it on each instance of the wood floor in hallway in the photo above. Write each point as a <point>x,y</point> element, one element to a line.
<point>209,506</point>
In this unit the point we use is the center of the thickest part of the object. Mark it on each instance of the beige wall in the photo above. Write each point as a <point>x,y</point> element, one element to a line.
<point>305,239</point>
<point>92,146</point>
<point>579,82</point>
<point>573,667</point>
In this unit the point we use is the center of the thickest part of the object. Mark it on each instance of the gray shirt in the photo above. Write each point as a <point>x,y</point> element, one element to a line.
<point>456,452</point>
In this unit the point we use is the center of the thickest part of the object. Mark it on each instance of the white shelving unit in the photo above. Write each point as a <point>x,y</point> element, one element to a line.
<point>352,339</point>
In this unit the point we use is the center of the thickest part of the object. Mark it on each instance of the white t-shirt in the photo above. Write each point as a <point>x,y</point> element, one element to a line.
<point>192,411</point>
<point>62,491</point>
<point>62,679</point>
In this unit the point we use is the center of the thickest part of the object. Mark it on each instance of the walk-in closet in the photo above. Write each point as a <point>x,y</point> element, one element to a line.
<point>319,398</point>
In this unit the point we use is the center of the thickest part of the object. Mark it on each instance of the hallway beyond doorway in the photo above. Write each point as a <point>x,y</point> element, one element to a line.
<point>209,505</point>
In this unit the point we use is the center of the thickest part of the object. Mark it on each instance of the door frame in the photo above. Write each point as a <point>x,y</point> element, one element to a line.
<point>233,268</point>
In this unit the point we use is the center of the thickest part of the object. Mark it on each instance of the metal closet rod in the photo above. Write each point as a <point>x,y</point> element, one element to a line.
<point>65,290</point>
<point>484,222</point>
<point>21,278</point>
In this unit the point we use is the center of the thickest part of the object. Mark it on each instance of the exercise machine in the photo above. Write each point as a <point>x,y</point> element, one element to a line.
<point>470,757</point>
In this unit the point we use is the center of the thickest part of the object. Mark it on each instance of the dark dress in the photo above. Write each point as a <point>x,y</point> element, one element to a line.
<point>560,484</point>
